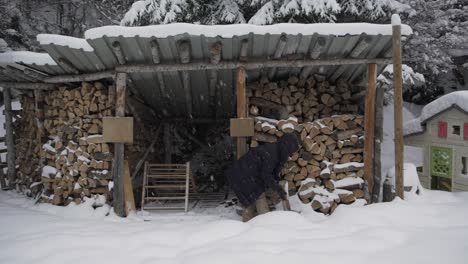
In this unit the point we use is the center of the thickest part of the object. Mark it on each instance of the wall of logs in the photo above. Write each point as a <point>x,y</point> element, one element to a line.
<point>328,170</point>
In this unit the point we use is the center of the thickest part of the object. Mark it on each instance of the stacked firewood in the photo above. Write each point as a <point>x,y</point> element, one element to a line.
<point>28,145</point>
<point>305,99</point>
<point>328,170</point>
<point>77,161</point>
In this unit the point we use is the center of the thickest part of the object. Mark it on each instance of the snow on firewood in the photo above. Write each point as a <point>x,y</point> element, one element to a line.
<point>48,147</point>
<point>48,171</point>
<point>347,182</point>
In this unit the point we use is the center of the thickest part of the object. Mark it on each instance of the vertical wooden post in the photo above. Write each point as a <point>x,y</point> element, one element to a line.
<point>118,164</point>
<point>378,135</point>
<point>369,118</point>
<point>398,104</point>
<point>167,144</point>
<point>9,138</point>
<point>39,112</point>
<point>241,142</point>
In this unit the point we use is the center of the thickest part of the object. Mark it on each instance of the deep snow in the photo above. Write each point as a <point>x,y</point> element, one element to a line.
<point>431,228</point>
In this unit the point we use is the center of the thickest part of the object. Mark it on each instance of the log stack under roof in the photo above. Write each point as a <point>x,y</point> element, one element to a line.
<point>328,170</point>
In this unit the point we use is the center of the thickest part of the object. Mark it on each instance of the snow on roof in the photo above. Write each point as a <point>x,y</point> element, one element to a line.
<point>459,99</point>
<point>228,31</point>
<point>71,42</point>
<point>26,57</point>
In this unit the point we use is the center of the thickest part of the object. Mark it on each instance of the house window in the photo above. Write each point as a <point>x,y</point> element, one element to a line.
<point>419,169</point>
<point>464,166</point>
<point>456,130</point>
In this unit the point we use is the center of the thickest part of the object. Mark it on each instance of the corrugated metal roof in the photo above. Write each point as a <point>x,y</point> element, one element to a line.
<point>210,101</point>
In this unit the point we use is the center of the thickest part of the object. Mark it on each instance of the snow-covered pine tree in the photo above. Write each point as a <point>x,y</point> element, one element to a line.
<point>372,10</point>
<point>303,11</point>
<point>147,12</point>
<point>225,12</point>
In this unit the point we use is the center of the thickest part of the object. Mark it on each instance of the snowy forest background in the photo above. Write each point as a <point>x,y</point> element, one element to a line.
<point>439,26</point>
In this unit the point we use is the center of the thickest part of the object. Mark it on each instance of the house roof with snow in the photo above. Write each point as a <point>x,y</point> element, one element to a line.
<point>457,99</point>
<point>105,48</point>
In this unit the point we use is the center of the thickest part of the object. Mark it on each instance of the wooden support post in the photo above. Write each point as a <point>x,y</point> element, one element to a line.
<point>369,117</point>
<point>39,111</point>
<point>9,138</point>
<point>167,144</point>
<point>118,164</point>
<point>398,104</point>
<point>241,109</point>
<point>378,135</point>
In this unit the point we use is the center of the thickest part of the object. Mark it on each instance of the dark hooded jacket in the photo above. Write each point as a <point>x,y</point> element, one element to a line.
<point>259,169</point>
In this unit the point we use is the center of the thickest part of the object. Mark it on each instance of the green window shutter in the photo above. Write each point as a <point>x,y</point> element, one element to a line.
<point>441,162</point>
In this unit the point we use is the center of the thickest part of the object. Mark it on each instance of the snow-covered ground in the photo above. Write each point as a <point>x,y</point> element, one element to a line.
<point>431,228</point>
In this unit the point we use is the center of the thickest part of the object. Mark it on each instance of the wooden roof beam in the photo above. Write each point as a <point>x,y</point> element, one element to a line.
<point>215,58</point>
<point>278,53</point>
<point>184,49</point>
<point>67,66</point>
<point>27,85</point>
<point>244,50</point>
<point>87,77</point>
<point>118,52</point>
<point>250,65</point>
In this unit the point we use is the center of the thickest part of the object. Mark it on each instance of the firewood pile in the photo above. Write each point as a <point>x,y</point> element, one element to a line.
<point>306,99</point>
<point>76,160</point>
<point>328,170</point>
<point>27,148</point>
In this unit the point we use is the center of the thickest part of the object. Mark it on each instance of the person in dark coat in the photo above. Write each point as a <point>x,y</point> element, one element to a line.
<point>259,170</point>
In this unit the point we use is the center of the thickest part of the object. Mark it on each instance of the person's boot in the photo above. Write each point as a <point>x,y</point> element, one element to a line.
<point>262,204</point>
<point>249,213</point>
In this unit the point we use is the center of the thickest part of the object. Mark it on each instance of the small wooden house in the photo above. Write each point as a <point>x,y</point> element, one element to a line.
<point>442,131</point>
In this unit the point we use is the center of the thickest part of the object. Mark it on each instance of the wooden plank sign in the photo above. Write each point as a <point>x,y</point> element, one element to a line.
<point>242,127</point>
<point>118,129</point>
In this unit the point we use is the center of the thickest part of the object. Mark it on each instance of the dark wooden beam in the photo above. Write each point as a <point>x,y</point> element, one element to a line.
<point>250,65</point>
<point>118,163</point>
<point>362,45</point>
<point>278,53</point>
<point>35,74</point>
<point>146,153</point>
<point>244,50</point>
<point>67,66</point>
<point>87,77</point>
<point>369,120</point>
<point>9,138</point>
<point>215,58</point>
<point>318,48</point>
<point>118,52</point>
<point>155,51</point>
<point>185,57</point>
<point>398,108</point>
<point>27,86</point>
<point>167,143</point>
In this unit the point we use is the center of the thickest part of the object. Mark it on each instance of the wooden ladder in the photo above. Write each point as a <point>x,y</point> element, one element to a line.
<point>167,184</point>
